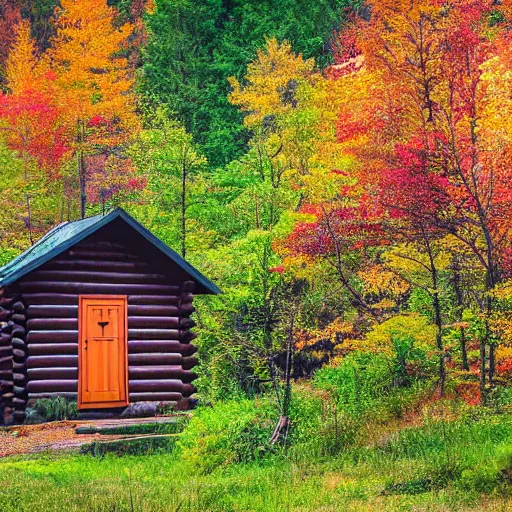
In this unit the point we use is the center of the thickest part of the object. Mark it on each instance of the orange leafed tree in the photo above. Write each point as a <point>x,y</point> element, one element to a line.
<point>95,87</point>
<point>34,126</point>
<point>9,19</point>
<point>30,120</point>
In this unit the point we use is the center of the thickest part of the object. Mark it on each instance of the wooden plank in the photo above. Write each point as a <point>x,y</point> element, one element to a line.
<point>52,386</point>
<point>94,288</point>
<point>153,334</point>
<point>96,276</point>
<point>170,346</point>
<point>45,311</point>
<point>48,324</point>
<point>78,264</point>
<point>52,336</point>
<point>52,373</point>
<point>97,254</point>
<point>153,322</point>
<point>161,372</point>
<point>155,385</point>
<point>61,361</point>
<point>46,349</point>
<point>156,397</point>
<point>51,298</point>
<point>157,358</point>
<point>153,299</point>
<point>152,310</point>
<point>65,394</point>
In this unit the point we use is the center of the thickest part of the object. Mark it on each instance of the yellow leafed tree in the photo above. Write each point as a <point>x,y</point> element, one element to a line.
<point>94,79</point>
<point>22,65</point>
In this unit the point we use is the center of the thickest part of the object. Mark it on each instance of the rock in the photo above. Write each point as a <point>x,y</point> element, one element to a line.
<point>32,417</point>
<point>140,410</point>
<point>86,430</point>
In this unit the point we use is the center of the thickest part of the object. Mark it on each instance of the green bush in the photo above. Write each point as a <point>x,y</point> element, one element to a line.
<point>407,340</point>
<point>56,409</point>
<point>319,427</point>
<point>356,381</point>
<point>482,479</point>
<point>232,431</point>
<point>363,383</point>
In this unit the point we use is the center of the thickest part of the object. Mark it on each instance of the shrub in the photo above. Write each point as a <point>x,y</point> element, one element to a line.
<point>482,479</point>
<point>364,383</point>
<point>319,426</point>
<point>356,381</point>
<point>407,341</point>
<point>232,431</point>
<point>56,409</point>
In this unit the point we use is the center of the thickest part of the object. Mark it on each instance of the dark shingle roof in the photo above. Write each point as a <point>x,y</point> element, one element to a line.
<point>68,234</point>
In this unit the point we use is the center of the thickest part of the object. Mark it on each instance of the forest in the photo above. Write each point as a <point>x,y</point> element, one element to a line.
<point>342,170</point>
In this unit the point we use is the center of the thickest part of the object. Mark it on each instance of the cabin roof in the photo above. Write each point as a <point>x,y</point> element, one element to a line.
<point>68,234</point>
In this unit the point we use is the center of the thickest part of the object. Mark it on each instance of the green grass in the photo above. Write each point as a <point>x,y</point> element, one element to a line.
<point>460,465</point>
<point>146,445</point>
<point>139,429</point>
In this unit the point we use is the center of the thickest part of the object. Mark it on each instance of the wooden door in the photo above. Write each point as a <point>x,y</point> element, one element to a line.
<point>103,354</point>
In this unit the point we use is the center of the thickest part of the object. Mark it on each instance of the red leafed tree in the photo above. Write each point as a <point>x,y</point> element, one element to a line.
<point>336,232</point>
<point>427,121</point>
<point>416,199</point>
<point>28,110</point>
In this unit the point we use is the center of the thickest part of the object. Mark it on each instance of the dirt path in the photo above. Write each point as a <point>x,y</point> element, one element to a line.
<point>59,435</point>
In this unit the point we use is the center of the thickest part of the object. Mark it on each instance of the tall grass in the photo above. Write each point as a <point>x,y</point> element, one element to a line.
<point>357,443</point>
<point>451,465</point>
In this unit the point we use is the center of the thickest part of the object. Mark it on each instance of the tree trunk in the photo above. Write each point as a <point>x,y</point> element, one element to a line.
<point>183,206</point>
<point>29,220</point>
<point>460,304</point>
<point>437,315</point>
<point>81,167</point>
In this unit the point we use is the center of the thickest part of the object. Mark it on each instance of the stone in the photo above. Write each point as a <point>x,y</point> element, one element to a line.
<point>140,410</point>
<point>32,417</point>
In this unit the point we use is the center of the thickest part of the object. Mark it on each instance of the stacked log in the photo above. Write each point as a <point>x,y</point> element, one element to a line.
<point>6,358</point>
<point>160,355</point>
<point>160,352</point>
<point>19,344</point>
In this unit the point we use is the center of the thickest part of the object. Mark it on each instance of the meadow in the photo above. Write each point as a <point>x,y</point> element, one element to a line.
<point>443,457</point>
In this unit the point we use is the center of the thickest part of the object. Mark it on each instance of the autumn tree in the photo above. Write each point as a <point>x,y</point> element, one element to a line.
<point>195,46</point>
<point>96,87</point>
<point>434,65</point>
<point>9,18</point>
<point>32,120</point>
<point>169,159</point>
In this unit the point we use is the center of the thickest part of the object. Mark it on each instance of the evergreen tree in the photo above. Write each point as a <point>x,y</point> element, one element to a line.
<point>195,45</point>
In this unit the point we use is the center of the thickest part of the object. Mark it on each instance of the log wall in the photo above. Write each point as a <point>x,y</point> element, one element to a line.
<point>6,359</point>
<point>13,393</point>
<point>161,355</point>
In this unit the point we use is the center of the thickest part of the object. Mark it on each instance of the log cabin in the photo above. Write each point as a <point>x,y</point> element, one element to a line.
<point>98,311</point>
